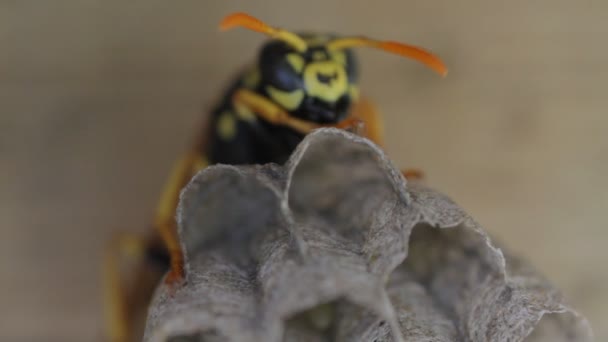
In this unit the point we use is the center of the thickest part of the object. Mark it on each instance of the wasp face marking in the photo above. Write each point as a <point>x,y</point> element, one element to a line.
<point>296,61</point>
<point>289,100</point>
<point>353,91</point>
<point>340,57</point>
<point>325,80</point>
<point>252,78</point>
<point>226,126</point>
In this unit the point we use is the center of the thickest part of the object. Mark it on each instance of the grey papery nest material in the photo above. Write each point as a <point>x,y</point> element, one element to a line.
<point>334,246</point>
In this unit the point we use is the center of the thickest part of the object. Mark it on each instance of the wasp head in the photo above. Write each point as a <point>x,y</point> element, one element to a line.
<point>316,84</point>
<point>314,77</point>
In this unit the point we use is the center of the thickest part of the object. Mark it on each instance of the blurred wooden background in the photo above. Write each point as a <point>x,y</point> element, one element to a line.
<point>97,98</point>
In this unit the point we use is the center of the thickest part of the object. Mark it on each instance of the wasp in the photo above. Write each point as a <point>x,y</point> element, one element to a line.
<point>299,82</point>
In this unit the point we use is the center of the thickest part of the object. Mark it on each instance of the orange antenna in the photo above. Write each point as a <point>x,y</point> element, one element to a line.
<point>240,19</point>
<point>401,49</point>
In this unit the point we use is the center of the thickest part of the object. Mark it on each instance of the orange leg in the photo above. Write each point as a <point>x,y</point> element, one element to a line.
<point>130,277</point>
<point>412,174</point>
<point>365,111</point>
<point>353,125</point>
<point>165,214</point>
<point>270,111</point>
<point>116,299</point>
<point>176,272</point>
<point>364,115</point>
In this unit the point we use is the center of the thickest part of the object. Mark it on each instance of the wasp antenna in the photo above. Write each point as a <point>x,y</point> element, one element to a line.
<point>240,19</point>
<point>405,50</point>
<point>244,20</point>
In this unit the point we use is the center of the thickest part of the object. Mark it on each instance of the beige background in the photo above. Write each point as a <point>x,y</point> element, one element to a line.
<point>98,97</point>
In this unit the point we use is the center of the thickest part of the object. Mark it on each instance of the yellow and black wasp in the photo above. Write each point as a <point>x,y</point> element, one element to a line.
<point>300,82</point>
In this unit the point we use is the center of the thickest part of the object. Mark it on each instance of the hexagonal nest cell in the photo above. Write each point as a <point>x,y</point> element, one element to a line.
<point>335,246</point>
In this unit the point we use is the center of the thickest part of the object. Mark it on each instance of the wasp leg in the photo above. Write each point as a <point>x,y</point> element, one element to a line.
<point>412,174</point>
<point>353,125</point>
<point>165,214</point>
<point>133,266</point>
<point>270,111</point>
<point>364,111</point>
<point>117,308</point>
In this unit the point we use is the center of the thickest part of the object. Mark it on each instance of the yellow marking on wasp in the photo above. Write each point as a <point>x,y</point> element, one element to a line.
<point>289,100</point>
<point>199,164</point>
<point>338,56</point>
<point>244,113</point>
<point>252,78</point>
<point>319,56</point>
<point>330,91</point>
<point>226,126</point>
<point>353,91</point>
<point>164,220</point>
<point>296,61</point>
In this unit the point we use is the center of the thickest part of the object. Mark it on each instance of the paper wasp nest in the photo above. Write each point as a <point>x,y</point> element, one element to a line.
<point>334,246</point>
